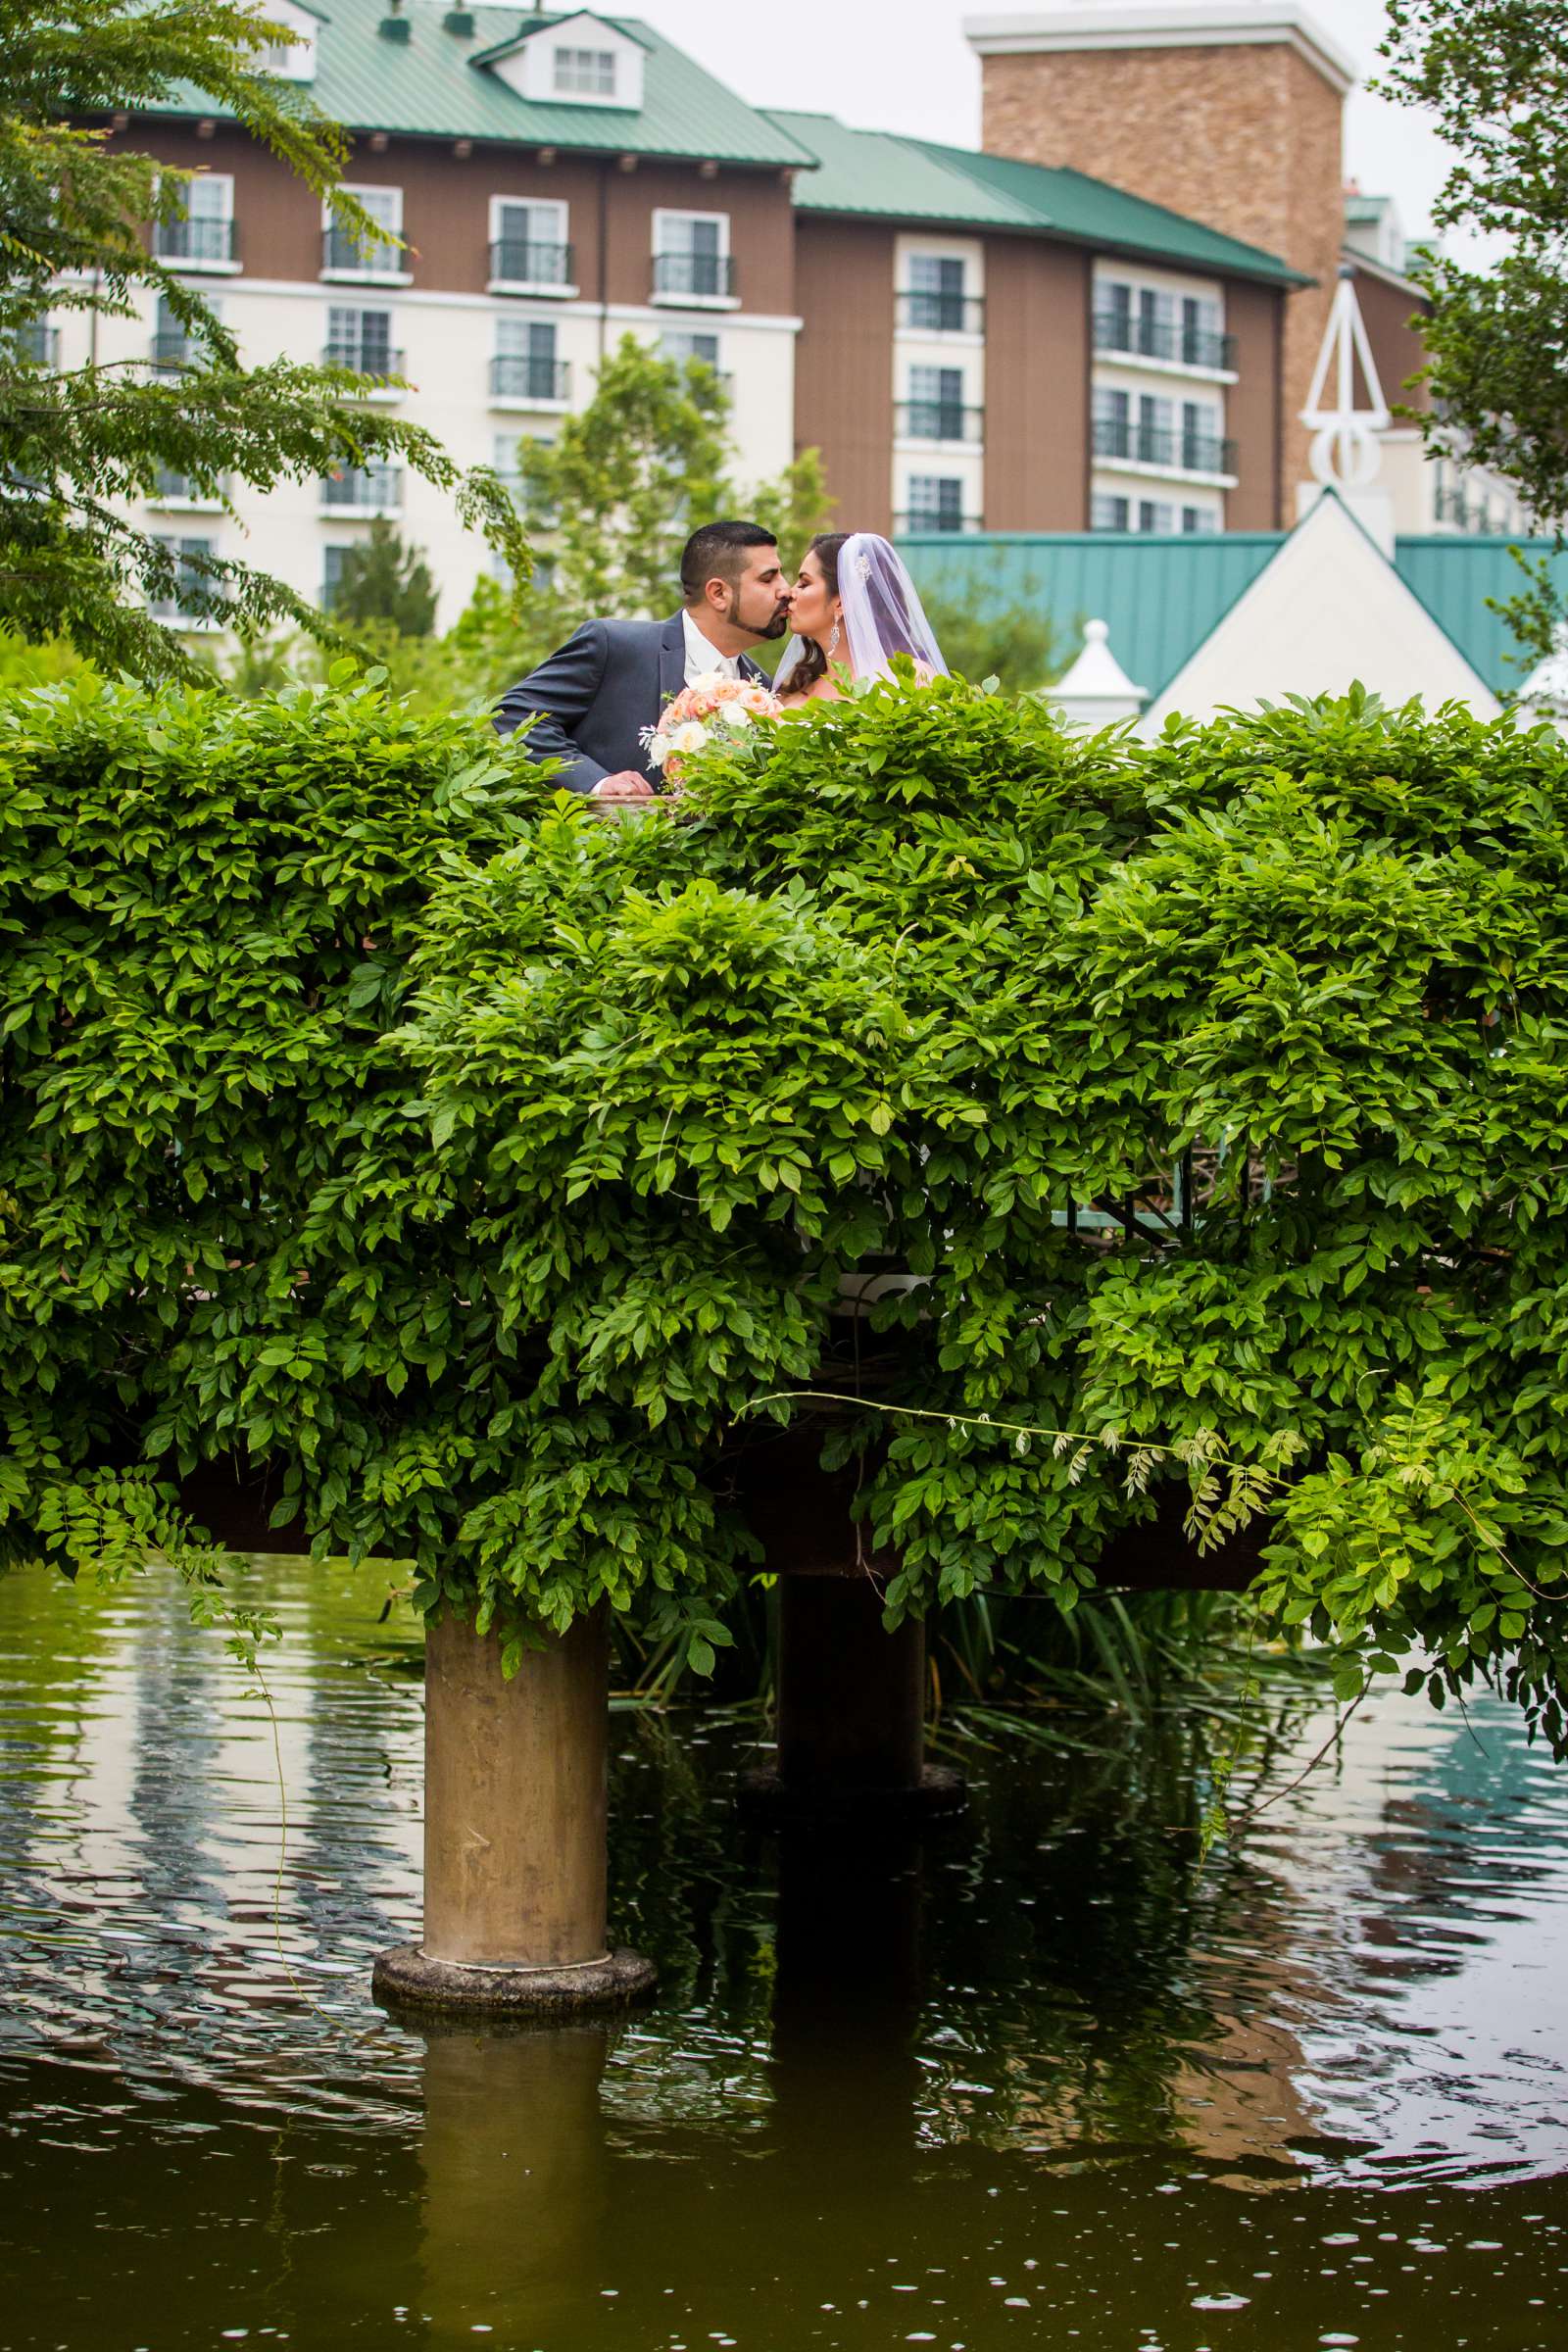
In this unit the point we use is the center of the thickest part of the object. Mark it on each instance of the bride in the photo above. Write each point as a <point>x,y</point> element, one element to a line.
<point>852,607</point>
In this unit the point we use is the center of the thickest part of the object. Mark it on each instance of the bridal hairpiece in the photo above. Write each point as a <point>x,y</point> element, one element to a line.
<point>862,564</point>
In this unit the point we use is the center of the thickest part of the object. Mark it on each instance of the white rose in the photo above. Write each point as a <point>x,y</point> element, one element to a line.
<point>659,750</point>
<point>736,714</point>
<point>689,738</point>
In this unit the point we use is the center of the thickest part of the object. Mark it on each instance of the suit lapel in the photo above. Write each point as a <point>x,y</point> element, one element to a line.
<point>672,661</point>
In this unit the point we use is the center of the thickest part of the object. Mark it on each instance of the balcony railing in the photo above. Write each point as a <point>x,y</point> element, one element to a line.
<point>1182,346</point>
<point>915,521</point>
<point>171,347</point>
<point>517,375</point>
<point>363,490</point>
<point>701,276</point>
<point>374,359</point>
<point>1156,445</point>
<point>932,313</point>
<point>198,240</point>
<point>342,251</point>
<point>36,345</point>
<point>520,262</point>
<point>1465,515</point>
<point>939,420</point>
<point>179,490</point>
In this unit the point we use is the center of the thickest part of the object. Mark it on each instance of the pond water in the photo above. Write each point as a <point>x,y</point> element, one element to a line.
<point>1045,2082</point>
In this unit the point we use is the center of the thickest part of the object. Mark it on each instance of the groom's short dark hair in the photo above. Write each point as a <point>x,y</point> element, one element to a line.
<point>717,552</point>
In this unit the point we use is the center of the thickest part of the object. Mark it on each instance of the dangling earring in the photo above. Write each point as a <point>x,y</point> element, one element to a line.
<point>833,642</point>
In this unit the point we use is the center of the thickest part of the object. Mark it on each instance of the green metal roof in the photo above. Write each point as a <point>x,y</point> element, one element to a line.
<point>876,173</point>
<point>1161,598</point>
<point>434,85</point>
<point>1454,576</point>
<point>879,174</point>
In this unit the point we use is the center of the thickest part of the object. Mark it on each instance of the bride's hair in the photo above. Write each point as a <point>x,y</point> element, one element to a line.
<point>812,662</point>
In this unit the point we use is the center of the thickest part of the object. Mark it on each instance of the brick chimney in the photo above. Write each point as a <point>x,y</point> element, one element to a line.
<point>1226,110</point>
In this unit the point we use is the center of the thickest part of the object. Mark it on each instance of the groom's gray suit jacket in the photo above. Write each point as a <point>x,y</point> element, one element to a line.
<point>587,703</point>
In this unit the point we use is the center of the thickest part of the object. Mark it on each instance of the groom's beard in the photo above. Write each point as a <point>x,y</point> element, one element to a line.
<point>762,630</point>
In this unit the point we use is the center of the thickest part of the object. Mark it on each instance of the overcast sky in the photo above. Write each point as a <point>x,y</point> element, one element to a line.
<point>903,65</point>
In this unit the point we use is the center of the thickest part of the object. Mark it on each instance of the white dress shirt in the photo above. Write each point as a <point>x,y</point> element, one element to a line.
<point>703,658</point>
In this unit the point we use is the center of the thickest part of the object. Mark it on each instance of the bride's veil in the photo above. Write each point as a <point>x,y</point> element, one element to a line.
<point>883,615</point>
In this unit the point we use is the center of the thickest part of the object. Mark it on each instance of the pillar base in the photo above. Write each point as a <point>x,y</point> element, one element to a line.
<point>768,1797</point>
<point>408,1978</point>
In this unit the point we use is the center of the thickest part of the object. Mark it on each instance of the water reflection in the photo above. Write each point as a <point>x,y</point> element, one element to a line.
<point>1039,2078</point>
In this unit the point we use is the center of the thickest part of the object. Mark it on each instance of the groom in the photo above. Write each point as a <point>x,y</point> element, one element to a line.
<point>588,704</point>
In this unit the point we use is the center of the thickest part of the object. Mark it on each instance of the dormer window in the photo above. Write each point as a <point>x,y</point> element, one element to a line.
<point>291,61</point>
<point>581,60</point>
<point>585,73</point>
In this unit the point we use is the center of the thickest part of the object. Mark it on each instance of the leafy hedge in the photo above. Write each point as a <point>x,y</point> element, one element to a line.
<point>377,1112</point>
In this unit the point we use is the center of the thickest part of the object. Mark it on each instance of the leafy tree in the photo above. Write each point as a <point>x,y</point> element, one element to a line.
<point>1017,643</point>
<point>385,580</point>
<point>82,443</point>
<point>613,497</point>
<point>483,1198</point>
<point>1494,72</point>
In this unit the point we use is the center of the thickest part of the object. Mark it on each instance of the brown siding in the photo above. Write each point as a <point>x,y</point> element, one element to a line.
<point>1397,347</point>
<point>761,229</point>
<point>1253,408</point>
<point>1246,139</point>
<point>445,211</point>
<point>1037,385</point>
<point>844,364</point>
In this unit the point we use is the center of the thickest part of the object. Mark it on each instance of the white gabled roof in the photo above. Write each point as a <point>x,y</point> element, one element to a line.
<point>1326,610</point>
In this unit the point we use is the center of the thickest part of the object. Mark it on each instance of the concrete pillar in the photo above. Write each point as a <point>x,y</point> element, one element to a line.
<point>851,1708</point>
<point>514,1817</point>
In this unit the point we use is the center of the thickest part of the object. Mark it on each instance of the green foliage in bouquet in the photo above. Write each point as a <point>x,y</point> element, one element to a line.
<point>495,1171</point>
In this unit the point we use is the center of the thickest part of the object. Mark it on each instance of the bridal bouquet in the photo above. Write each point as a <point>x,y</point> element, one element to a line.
<point>699,715</point>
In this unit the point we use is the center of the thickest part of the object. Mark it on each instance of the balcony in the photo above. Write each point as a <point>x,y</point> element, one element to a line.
<point>915,521</point>
<point>518,378</point>
<point>939,420</point>
<point>179,490</point>
<point>927,311</point>
<point>173,348</point>
<point>343,256</point>
<point>1172,346</point>
<point>35,345</point>
<point>695,278</point>
<point>196,244</point>
<point>376,360</point>
<point>531,269</point>
<point>363,490</point>
<point>1460,514</point>
<point>1167,451</point>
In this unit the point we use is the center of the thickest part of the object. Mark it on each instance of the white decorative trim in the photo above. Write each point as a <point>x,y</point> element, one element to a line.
<point>950,338</point>
<point>535,289</point>
<point>1174,24</point>
<point>907,445</point>
<point>1144,469</point>
<point>320,289</point>
<point>363,277</point>
<point>1141,364</point>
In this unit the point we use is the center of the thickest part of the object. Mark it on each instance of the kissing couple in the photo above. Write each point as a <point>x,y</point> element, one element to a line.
<point>594,703</point>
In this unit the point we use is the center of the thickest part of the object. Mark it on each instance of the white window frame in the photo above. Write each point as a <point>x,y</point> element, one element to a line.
<point>663,214</point>
<point>1172,288</point>
<point>595,89</point>
<point>193,264</point>
<point>556,290</point>
<point>361,275</point>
